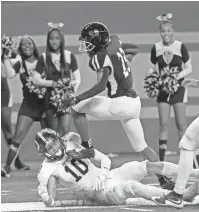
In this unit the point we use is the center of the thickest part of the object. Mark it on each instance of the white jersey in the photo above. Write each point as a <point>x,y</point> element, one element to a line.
<point>82,174</point>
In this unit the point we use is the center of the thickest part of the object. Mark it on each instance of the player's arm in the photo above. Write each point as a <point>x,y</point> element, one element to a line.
<point>105,168</point>
<point>100,86</point>
<point>47,184</point>
<point>130,50</point>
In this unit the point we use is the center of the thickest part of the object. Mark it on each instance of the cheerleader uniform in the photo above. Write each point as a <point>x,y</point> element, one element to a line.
<point>173,56</point>
<point>31,105</point>
<point>6,100</point>
<point>55,74</point>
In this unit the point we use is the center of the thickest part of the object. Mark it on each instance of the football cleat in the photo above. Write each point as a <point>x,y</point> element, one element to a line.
<point>172,199</point>
<point>83,153</point>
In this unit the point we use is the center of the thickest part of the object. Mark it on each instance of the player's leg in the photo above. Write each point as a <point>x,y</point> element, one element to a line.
<point>180,118</point>
<point>169,169</point>
<point>164,110</point>
<point>188,143</point>
<point>97,107</point>
<point>64,124</point>
<point>134,170</point>
<point>103,108</point>
<point>130,189</point>
<point>191,192</point>
<point>135,133</point>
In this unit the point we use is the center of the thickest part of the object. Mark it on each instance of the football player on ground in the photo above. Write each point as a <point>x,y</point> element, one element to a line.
<point>97,186</point>
<point>108,60</point>
<point>188,144</point>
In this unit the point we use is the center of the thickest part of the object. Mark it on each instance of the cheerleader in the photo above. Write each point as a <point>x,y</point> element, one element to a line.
<point>170,53</point>
<point>57,63</point>
<point>32,107</point>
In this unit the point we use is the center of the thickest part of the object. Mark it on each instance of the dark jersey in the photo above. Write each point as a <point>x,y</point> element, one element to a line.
<point>120,80</point>
<point>173,56</point>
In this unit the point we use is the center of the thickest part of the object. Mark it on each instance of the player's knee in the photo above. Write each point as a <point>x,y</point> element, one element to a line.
<point>76,115</point>
<point>131,187</point>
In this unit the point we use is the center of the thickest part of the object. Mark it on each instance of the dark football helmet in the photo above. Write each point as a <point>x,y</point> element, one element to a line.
<point>49,144</point>
<point>94,36</point>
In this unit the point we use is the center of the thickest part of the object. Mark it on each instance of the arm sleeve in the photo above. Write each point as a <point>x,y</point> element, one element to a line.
<point>97,88</point>
<point>40,65</point>
<point>74,65</point>
<point>185,53</point>
<point>153,55</point>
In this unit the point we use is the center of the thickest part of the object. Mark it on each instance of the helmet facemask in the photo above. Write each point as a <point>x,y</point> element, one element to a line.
<point>51,146</point>
<point>55,150</point>
<point>85,46</point>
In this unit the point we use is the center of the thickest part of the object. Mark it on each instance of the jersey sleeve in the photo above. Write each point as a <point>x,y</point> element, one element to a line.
<point>185,53</point>
<point>46,170</point>
<point>99,61</point>
<point>153,55</point>
<point>73,65</point>
<point>40,65</point>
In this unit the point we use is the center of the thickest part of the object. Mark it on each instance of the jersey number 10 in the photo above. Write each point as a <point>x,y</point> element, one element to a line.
<point>124,61</point>
<point>76,165</point>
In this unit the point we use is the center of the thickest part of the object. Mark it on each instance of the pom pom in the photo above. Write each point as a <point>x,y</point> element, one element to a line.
<point>152,84</point>
<point>38,90</point>
<point>60,93</point>
<point>170,83</point>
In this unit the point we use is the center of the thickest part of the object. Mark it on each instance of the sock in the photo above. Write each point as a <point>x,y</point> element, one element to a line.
<point>87,144</point>
<point>184,170</point>
<point>12,153</point>
<point>162,149</point>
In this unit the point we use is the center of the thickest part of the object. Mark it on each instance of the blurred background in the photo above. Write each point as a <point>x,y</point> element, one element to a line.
<point>134,22</point>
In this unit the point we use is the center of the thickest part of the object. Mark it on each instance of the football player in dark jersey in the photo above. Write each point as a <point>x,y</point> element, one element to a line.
<point>108,60</point>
